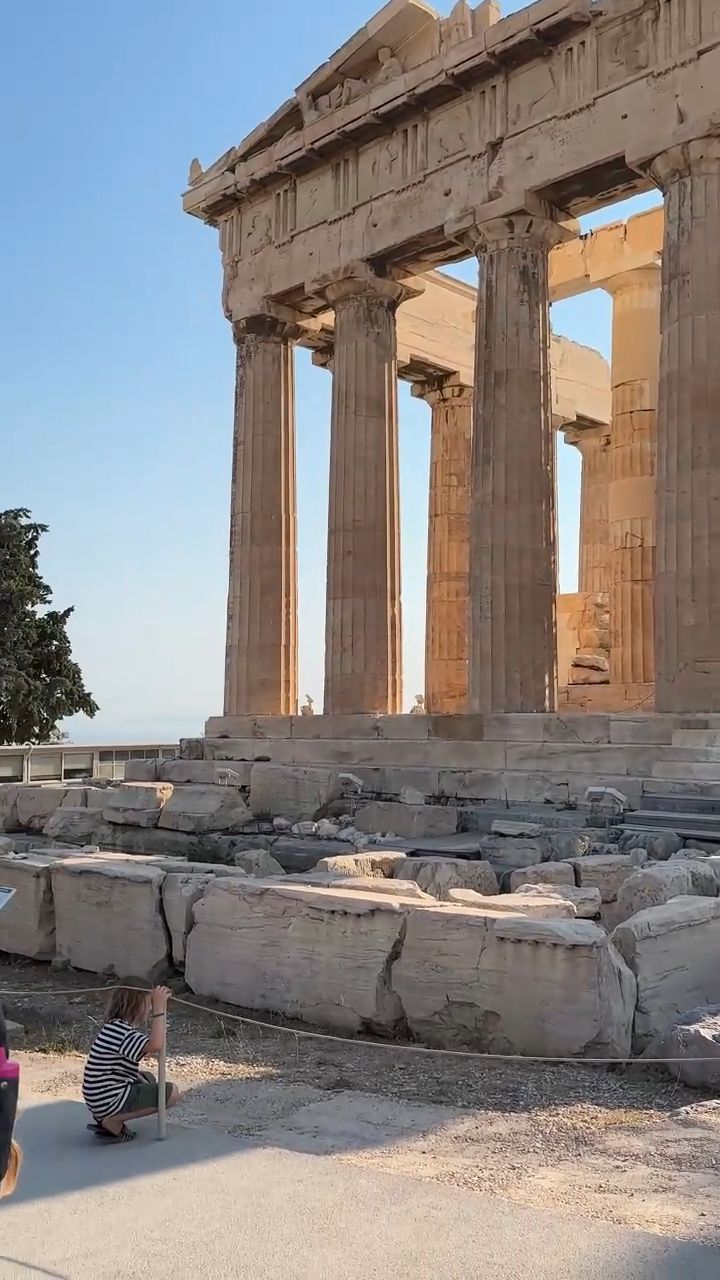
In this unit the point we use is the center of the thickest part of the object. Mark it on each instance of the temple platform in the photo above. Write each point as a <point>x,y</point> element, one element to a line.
<point>514,759</point>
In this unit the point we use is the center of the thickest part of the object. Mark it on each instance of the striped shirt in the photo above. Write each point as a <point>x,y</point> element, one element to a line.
<point>112,1067</point>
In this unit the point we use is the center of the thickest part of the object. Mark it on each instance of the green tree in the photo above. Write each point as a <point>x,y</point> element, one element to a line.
<point>39,682</point>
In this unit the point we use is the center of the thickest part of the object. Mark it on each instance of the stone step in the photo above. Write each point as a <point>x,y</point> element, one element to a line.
<point>690,754</point>
<point>681,804</point>
<point>677,771</point>
<point>696,738</point>
<point>705,826</point>
<point>685,788</point>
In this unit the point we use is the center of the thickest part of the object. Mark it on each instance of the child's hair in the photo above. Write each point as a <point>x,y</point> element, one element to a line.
<point>127,1004</point>
<point>7,1184</point>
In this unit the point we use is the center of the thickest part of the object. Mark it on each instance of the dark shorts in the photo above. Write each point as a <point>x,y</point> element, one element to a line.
<point>144,1095</point>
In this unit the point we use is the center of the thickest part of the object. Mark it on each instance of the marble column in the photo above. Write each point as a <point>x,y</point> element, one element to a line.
<point>448,581</point>
<point>631,485</point>
<point>593,445</point>
<point>261,645</point>
<point>687,581</point>
<point>513,659</point>
<point>363,631</point>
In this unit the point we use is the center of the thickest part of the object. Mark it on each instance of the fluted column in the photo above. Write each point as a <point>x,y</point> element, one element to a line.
<point>448,581</point>
<point>631,487</point>
<point>687,582</point>
<point>513,660</point>
<point>261,645</point>
<point>593,445</point>
<point>363,633</point>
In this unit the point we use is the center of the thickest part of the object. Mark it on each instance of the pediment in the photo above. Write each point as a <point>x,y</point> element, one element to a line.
<point>400,35</point>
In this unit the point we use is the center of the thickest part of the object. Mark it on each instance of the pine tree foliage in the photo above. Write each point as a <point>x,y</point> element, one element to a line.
<point>40,683</point>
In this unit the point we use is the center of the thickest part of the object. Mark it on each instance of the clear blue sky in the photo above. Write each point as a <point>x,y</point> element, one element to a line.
<point>116,375</point>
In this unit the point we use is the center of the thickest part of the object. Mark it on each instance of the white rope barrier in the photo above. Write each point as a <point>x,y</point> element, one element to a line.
<point>397,1045</point>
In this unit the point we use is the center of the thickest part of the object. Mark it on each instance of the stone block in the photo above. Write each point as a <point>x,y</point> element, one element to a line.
<point>500,983</point>
<point>585,675</point>
<point>633,730</point>
<point>196,809</point>
<point>692,1047</point>
<point>507,853</point>
<point>570,844</point>
<point>108,917</point>
<point>538,906</point>
<point>658,844</point>
<point>294,792</point>
<point>142,771</point>
<point>407,820</point>
<point>543,873</point>
<point>438,875</point>
<point>302,854</point>
<point>36,804</point>
<point>673,952</point>
<point>506,827</point>
<point>457,728</point>
<point>136,804</point>
<point>651,886</point>
<point>180,892</point>
<point>7,844</point>
<point>150,841</point>
<point>203,772</point>
<point>8,806</point>
<point>587,902</point>
<point>567,757</point>
<point>406,890</point>
<point>27,923</point>
<point>76,826</point>
<point>704,870</point>
<point>392,780</point>
<point>259,863</point>
<point>379,865</point>
<point>470,784</point>
<point>321,955</point>
<point>606,871</point>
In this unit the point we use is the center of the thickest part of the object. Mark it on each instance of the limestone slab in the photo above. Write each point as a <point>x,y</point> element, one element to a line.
<point>587,901</point>
<point>543,873</point>
<point>407,820</point>
<point>76,826</point>
<point>291,791</point>
<point>27,923</point>
<point>180,892</point>
<point>538,906</point>
<point>8,806</point>
<point>36,804</point>
<point>438,875</point>
<point>606,872</point>
<point>673,952</point>
<point>196,809</point>
<point>507,853</point>
<point>109,917</point>
<point>380,865</point>
<point>258,862</point>
<point>499,983</point>
<point>322,955</point>
<point>137,804</point>
<point>651,886</point>
<point>692,1047</point>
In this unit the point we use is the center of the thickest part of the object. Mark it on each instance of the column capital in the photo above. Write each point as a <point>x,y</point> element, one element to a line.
<point>641,279</point>
<point>531,223</point>
<point>276,324</point>
<point>698,153</point>
<point>360,280</point>
<point>583,436</point>
<point>438,390</point>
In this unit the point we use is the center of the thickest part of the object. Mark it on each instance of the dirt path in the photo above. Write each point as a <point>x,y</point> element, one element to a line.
<point>629,1148</point>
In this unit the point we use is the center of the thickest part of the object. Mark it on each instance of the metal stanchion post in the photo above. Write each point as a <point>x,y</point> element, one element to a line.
<point>162,1064</point>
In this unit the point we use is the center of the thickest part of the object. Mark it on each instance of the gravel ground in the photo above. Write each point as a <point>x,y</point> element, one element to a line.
<point>626,1146</point>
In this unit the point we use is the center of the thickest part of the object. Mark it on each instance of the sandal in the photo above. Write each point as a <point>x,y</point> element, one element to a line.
<point>125,1134</point>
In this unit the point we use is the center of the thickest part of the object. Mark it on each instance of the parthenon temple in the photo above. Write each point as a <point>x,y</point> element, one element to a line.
<point>426,139</point>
